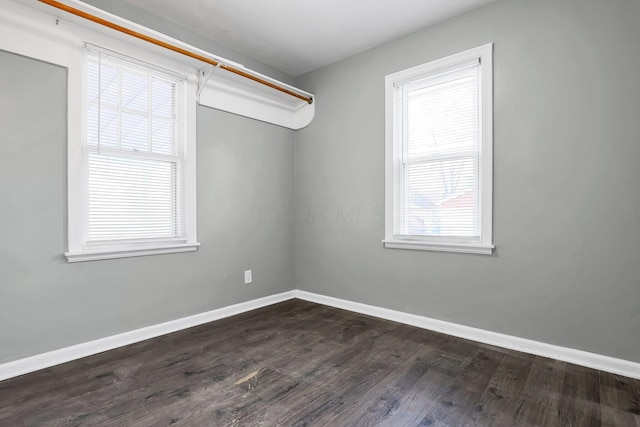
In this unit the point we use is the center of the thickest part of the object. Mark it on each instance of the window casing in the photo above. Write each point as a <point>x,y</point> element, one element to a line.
<point>132,171</point>
<point>438,190</point>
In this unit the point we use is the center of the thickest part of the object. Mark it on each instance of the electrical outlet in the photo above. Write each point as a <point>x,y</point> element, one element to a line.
<point>247,277</point>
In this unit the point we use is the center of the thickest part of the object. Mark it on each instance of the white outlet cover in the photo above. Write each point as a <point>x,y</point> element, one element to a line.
<point>247,277</point>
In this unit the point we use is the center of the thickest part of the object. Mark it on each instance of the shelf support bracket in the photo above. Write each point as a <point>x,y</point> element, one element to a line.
<point>203,78</point>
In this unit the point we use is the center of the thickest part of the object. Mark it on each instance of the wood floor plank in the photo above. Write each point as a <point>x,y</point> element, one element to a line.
<point>580,400</point>
<point>619,400</point>
<point>495,407</point>
<point>23,404</point>
<point>459,404</point>
<point>380,406</point>
<point>540,401</point>
<point>289,405</point>
<point>302,364</point>
<point>416,405</point>
<point>356,380</point>
<point>406,362</point>
<point>89,410</point>
<point>186,396</point>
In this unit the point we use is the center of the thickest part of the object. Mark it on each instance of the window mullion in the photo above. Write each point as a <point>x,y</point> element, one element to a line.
<point>444,156</point>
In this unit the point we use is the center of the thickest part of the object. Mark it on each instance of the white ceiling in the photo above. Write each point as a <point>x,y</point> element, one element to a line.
<point>297,36</point>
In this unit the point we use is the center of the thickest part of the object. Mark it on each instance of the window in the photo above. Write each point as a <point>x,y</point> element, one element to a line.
<point>439,155</point>
<point>135,161</point>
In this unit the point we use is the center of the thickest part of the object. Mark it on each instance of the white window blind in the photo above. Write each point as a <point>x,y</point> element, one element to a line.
<point>134,144</point>
<point>439,171</point>
<point>438,127</point>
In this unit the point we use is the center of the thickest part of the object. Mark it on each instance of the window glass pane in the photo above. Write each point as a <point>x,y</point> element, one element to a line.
<point>443,118</point>
<point>442,198</point>
<point>108,128</point>
<point>91,127</point>
<point>440,162</point>
<point>135,91</point>
<point>130,198</point>
<point>109,84</point>
<point>92,80</point>
<point>162,136</point>
<point>135,132</point>
<point>163,95</point>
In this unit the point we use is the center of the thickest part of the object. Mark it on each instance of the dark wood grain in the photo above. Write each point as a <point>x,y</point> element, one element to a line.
<point>495,406</point>
<point>619,400</point>
<point>303,364</point>
<point>580,401</point>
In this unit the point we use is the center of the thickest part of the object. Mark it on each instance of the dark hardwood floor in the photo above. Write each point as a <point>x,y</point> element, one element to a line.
<point>303,364</point>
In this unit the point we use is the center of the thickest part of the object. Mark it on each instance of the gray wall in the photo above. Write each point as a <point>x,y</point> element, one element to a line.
<point>566,207</point>
<point>46,304</point>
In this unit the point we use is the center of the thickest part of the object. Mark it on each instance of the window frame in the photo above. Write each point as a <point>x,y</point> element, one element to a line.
<point>78,247</point>
<point>393,154</point>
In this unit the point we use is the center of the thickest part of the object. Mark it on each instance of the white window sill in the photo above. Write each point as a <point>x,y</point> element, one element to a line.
<point>442,247</point>
<point>111,253</point>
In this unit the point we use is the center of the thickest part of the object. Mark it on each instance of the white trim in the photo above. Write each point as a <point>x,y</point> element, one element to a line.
<point>578,357</point>
<point>486,124</point>
<point>63,355</point>
<point>441,247</point>
<point>484,56</point>
<point>129,252</point>
<point>229,92</point>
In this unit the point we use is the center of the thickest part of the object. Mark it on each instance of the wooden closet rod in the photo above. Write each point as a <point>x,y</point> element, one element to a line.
<point>169,46</point>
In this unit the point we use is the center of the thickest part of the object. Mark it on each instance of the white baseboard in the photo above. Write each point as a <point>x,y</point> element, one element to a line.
<point>578,357</point>
<point>63,355</point>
